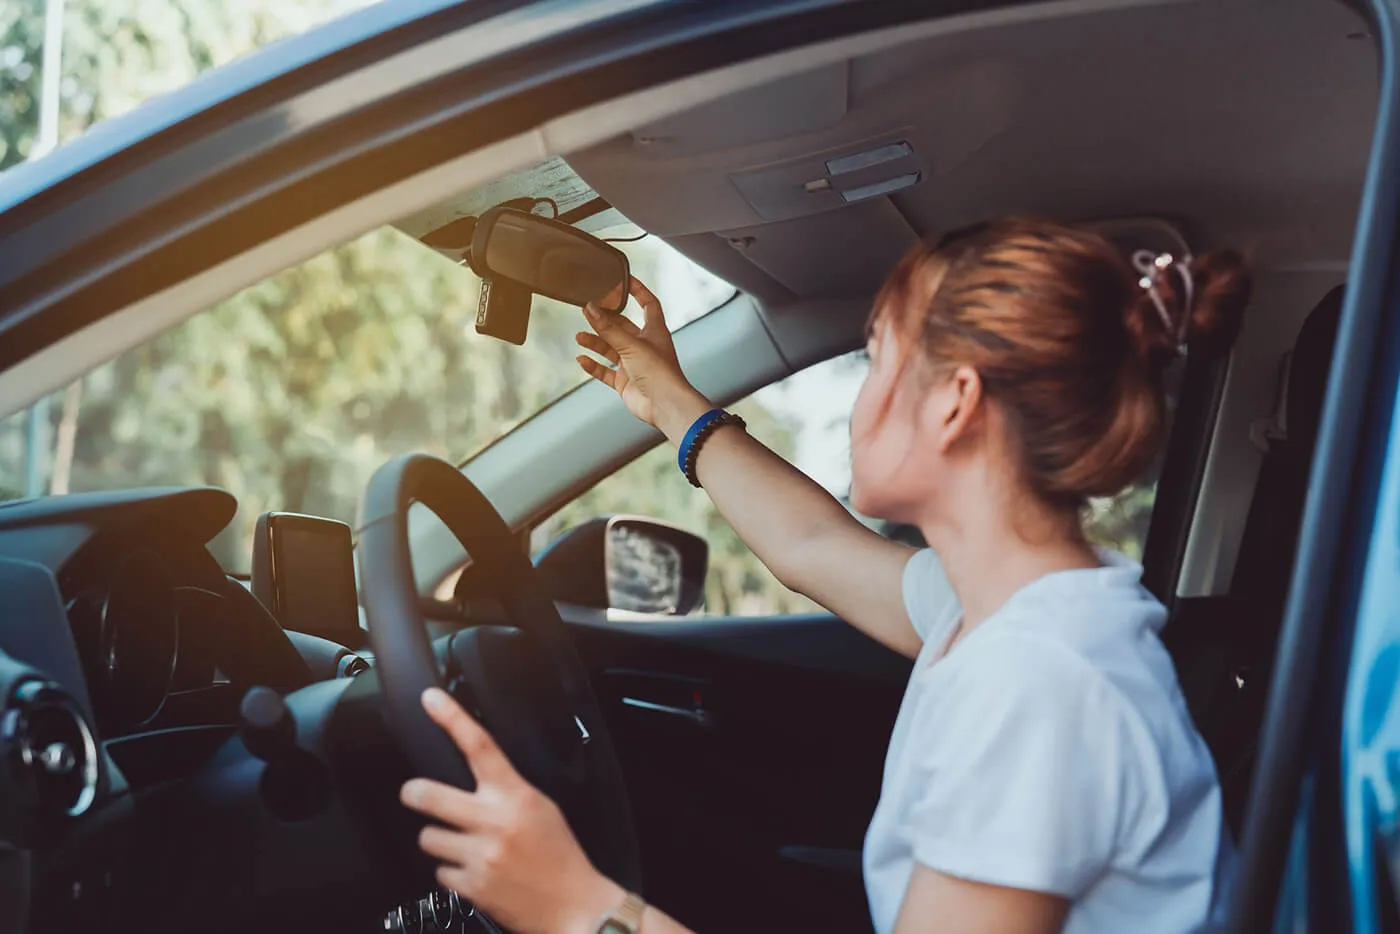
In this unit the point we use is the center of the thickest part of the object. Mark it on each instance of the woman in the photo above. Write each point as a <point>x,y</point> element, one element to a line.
<point>1043,773</point>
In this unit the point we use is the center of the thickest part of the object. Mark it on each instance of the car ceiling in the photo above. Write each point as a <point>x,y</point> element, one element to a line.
<point>1244,122</point>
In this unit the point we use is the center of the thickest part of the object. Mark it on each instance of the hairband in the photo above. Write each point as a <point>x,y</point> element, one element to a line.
<point>1152,266</point>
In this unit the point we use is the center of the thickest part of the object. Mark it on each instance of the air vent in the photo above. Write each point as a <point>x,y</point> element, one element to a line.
<point>50,748</point>
<point>351,665</point>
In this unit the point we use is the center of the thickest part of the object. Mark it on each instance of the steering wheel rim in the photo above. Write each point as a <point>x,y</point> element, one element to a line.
<point>404,658</point>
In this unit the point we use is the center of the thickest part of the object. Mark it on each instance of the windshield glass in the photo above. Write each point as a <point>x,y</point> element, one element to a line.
<point>292,392</point>
<point>115,56</point>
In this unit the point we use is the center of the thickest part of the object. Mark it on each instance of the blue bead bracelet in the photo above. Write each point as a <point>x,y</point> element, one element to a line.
<point>695,437</point>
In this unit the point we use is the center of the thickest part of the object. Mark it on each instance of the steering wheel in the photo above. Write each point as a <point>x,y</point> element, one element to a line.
<point>524,681</point>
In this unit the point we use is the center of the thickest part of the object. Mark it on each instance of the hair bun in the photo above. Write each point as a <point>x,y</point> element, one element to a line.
<point>1221,286</point>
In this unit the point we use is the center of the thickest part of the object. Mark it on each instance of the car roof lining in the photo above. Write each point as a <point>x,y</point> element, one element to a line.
<point>1295,215</point>
<point>1208,122</point>
<point>62,361</point>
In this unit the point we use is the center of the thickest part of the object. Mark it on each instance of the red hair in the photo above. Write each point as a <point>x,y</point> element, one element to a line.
<point>1065,339</point>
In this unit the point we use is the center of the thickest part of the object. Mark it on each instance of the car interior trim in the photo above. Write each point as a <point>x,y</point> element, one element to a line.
<point>1368,316</point>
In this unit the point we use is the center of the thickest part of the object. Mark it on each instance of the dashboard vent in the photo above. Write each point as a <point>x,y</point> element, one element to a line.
<point>351,665</point>
<point>50,747</point>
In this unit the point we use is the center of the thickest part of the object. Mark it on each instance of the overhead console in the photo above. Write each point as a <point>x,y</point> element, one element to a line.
<point>1024,112</point>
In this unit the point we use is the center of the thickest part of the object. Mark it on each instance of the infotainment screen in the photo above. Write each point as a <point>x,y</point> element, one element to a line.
<point>304,572</point>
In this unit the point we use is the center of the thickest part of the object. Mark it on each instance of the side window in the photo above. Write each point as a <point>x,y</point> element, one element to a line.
<point>805,419</point>
<point>1120,522</point>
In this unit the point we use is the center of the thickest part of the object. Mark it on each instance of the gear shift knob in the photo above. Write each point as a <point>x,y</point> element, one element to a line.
<point>267,727</point>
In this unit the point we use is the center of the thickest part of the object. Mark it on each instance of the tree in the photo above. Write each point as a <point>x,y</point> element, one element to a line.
<point>737,584</point>
<point>21,47</point>
<point>292,392</point>
<point>116,56</point>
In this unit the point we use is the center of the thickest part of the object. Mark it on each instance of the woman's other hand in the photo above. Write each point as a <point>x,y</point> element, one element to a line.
<point>644,371</point>
<point>505,846</point>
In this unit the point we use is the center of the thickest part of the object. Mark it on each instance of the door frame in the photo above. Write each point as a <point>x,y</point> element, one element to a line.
<point>1290,824</point>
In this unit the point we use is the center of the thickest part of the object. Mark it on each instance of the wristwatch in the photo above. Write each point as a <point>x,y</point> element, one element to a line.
<point>625,918</point>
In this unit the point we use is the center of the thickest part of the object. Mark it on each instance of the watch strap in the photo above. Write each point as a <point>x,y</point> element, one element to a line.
<point>626,918</point>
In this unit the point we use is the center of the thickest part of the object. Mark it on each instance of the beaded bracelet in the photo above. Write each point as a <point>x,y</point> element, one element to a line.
<point>695,437</point>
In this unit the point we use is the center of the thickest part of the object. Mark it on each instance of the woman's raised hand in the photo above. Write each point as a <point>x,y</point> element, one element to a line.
<point>644,371</point>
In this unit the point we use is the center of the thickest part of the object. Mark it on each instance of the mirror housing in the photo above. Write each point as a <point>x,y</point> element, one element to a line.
<point>628,563</point>
<point>550,258</point>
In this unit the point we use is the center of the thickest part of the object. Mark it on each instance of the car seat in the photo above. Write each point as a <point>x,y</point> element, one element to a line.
<point>1224,648</point>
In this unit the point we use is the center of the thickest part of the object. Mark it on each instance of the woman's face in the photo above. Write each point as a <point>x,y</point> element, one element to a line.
<point>890,478</point>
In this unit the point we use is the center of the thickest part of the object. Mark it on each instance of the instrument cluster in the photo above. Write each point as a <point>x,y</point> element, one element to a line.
<point>126,625</point>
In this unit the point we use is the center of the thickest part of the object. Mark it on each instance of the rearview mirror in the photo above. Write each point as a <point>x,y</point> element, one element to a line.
<point>627,563</point>
<point>550,258</point>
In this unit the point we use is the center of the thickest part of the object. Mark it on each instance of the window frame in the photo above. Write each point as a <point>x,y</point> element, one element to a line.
<point>1181,473</point>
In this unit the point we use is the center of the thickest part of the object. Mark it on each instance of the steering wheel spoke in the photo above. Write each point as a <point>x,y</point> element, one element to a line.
<point>524,680</point>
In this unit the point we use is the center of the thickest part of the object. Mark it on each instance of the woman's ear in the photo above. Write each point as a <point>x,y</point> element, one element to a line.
<point>960,410</point>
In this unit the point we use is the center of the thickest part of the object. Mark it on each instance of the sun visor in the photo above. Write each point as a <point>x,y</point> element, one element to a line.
<point>833,178</point>
<point>843,253</point>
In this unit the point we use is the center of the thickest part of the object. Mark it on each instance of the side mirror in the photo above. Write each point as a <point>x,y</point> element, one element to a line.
<point>627,563</point>
<point>550,258</point>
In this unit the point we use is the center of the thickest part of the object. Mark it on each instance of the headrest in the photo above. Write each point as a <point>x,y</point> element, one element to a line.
<point>1307,375</point>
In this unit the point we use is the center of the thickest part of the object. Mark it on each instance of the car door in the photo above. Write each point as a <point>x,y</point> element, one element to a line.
<point>1319,847</point>
<point>752,751</point>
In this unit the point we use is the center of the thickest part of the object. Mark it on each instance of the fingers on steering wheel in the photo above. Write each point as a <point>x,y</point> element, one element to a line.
<point>452,806</point>
<point>487,761</point>
<point>442,844</point>
<point>454,878</point>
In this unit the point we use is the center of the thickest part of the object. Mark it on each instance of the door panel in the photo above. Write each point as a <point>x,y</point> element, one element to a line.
<point>1312,817</point>
<point>752,750</point>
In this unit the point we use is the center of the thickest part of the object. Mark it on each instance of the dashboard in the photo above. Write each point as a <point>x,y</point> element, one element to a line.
<point>127,657</point>
<point>162,643</point>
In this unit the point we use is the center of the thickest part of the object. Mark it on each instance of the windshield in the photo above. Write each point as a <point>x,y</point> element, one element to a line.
<point>112,57</point>
<point>292,392</point>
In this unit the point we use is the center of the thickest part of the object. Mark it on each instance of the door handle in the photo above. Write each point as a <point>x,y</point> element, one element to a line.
<point>696,715</point>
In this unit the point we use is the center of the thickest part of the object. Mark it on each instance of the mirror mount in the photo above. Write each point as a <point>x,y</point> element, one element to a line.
<point>550,258</point>
<point>518,253</point>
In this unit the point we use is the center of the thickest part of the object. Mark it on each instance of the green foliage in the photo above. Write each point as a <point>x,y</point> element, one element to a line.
<point>1121,522</point>
<point>117,55</point>
<point>738,583</point>
<point>292,392</point>
<point>21,42</point>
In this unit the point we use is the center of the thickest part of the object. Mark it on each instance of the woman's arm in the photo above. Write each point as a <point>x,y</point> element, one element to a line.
<point>506,847</point>
<point>802,533</point>
<point>948,905</point>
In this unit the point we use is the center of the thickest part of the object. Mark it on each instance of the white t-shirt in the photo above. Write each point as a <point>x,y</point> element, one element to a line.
<point>1051,750</point>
